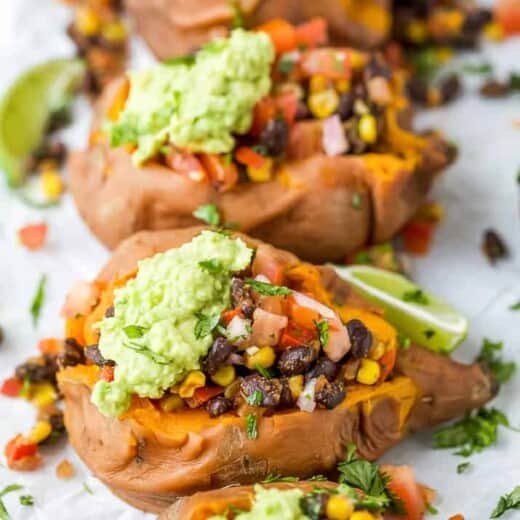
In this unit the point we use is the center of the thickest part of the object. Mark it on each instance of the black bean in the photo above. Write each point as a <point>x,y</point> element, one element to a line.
<point>239,292</point>
<point>450,88</point>
<point>109,313</point>
<point>217,355</point>
<point>218,405</point>
<point>286,397</point>
<point>93,354</point>
<point>302,111</point>
<point>360,338</point>
<point>38,370</point>
<point>376,67</point>
<point>476,19</point>
<point>494,89</point>
<point>275,137</point>
<point>331,394</point>
<point>418,90</point>
<point>314,505</point>
<point>346,106</point>
<point>56,421</point>
<point>493,246</point>
<point>296,360</point>
<point>324,367</point>
<point>271,389</point>
<point>71,355</point>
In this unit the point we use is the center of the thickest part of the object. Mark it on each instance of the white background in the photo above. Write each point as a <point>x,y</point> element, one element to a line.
<point>478,192</point>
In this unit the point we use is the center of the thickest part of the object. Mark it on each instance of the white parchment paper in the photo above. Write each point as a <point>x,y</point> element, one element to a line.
<point>478,192</point>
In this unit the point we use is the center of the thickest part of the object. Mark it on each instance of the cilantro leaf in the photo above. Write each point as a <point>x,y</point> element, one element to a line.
<point>323,331</point>
<point>507,502</point>
<point>145,351</point>
<point>286,64</point>
<point>416,296</point>
<point>213,265</point>
<point>264,372</point>
<point>404,341</point>
<point>478,68</point>
<point>123,133</point>
<point>205,324</point>
<point>4,515</point>
<point>238,17</point>
<point>515,306</point>
<point>256,398</point>
<point>208,214</point>
<point>27,500</point>
<point>356,201</point>
<point>187,59</point>
<point>134,331</point>
<point>267,289</point>
<point>463,467</point>
<point>86,487</point>
<point>37,302</point>
<point>276,477</point>
<point>251,426</point>
<point>490,358</point>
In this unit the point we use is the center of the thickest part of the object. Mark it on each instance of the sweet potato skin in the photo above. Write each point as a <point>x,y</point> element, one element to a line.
<point>308,209</point>
<point>192,452</point>
<point>174,27</point>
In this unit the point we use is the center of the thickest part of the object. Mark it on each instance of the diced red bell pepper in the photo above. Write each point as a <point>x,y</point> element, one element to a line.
<point>203,395</point>
<point>50,345</point>
<point>187,164</point>
<point>11,387</point>
<point>387,362</point>
<point>264,111</point>
<point>106,373</point>
<point>418,236</point>
<point>222,172</point>
<point>282,34</point>
<point>507,14</point>
<point>228,315</point>
<point>294,336</point>
<point>33,236</point>
<point>331,63</point>
<point>248,157</point>
<point>312,33</point>
<point>17,449</point>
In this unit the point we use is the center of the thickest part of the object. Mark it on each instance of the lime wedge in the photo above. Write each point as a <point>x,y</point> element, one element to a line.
<point>418,315</point>
<point>26,108</point>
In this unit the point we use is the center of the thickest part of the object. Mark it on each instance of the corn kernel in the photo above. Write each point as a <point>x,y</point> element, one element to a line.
<point>195,379</point>
<point>416,31</point>
<point>262,174</point>
<point>40,431</point>
<point>87,21</point>
<point>362,515</point>
<point>43,394</point>
<point>443,54</point>
<point>296,386</point>
<point>224,376</point>
<point>494,32</point>
<point>265,357</point>
<point>367,128</point>
<point>323,104</point>
<point>369,372</point>
<point>342,85</point>
<point>433,97</point>
<point>52,184</point>
<point>339,508</point>
<point>357,59</point>
<point>377,351</point>
<point>318,83</point>
<point>47,165</point>
<point>114,32</point>
<point>171,403</point>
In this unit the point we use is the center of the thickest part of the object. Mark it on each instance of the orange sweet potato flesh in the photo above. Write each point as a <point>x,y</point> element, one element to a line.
<point>307,209</point>
<point>177,27</point>
<point>150,459</point>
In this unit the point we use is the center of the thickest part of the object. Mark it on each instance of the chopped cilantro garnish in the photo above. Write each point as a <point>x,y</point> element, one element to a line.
<point>205,324</point>
<point>256,398</point>
<point>208,214</point>
<point>515,306</point>
<point>507,503</point>
<point>463,467</point>
<point>404,341</point>
<point>478,68</point>
<point>275,477</point>
<point>416,296</point>
<point>27,500</point>
<point>37,302</point>
<point>134,331</point>
<point>323,332</point>
<point>86,487</point>
<point>251,426</point>
<point>264,372</point>
<point>432,510</point>
<point>187,59</point>
<point>490,357</point>
<point>267,289</point>
<point>286,64</point>
<point>4,515</point>
<point>213,265</point>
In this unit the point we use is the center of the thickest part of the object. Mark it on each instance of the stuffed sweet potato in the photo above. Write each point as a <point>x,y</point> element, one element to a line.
<point>172,27</point>
<point>282,356</point>
<point>317,162</point>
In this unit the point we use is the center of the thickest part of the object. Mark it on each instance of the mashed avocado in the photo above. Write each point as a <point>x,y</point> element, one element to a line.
<point>161,324</point>
<point>197,104</point>
<point>273,504</point>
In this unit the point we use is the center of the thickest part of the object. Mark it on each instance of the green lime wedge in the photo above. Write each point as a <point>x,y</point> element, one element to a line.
<point>418,315</point>
<point>26,107</point>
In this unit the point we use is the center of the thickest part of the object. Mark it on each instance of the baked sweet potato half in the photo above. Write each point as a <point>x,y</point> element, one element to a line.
<point>294,359</point>
<point>173,27</point>
<point>325,167</point>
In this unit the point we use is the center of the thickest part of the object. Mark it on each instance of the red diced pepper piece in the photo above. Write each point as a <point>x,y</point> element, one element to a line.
<point>11,387</point>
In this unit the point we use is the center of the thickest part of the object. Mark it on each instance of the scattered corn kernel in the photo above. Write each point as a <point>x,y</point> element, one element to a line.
<point>342,85</point>
<point>47,165</point>
<point>362,515</point>
<point>40,431</point>
<point>194,380</point>
<point>443,54</point>
<point>52,184</point>
<point>296,386</point>
<point>224,376</point>
<point>367,128</point>
<point>369,372</point>
<point>262,174</point>
<point>417,31</point>
<point>339,508</point>
<point>114,32</point>
<point>318,83</point>
<point>65,470</point>
<point>323,104</point>
<point>357,59</point>
<point>171,403</point>
<point>265,357</point>
<point>377,351</point>
<point>87,21</point>
<point>43,394</point>
<point>494,32</point>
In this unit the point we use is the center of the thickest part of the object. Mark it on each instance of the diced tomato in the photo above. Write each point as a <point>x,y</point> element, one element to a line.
<point>247,156</point>
<point>287,104</point>
<point>331,63</point>
<point>11,387</point>
<point>456,517</point>
<point>203,394</point>
<point>17,449</point>
<point>227,316</point>
<point>404,486</point>
<point>387,362</point>
<point>418,236</point>
<point>264,111</point>
<point>507,14</point>
<point>221,171</point>
<point>106,373</point>
<point>186,163</point>
<point>33,236</point>
<point>312,33</point>
<point>294,336</point>
<point>303,316</point>
<point>282,34</point>
<point>50,345</point>
<point>267,264</point>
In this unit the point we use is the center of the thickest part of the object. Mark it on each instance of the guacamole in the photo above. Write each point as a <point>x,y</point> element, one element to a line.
<point>163,317</point>
<point>197,103</point>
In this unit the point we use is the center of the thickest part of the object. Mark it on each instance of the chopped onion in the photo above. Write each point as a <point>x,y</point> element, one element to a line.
<point>262,278</point>
<point>238,329</point>
<point>334,140</point>
<point>306,301</point>
<point>251,351</point>
<point>235,359</point>
<point>306,402</point>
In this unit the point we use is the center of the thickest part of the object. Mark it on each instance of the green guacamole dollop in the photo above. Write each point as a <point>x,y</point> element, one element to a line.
<point>157,334</point>
<point>197,104</point>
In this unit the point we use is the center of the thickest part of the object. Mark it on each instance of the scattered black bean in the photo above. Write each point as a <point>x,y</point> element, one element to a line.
<point>71,355</point>
<point>218,405</point>
<point>346,106</point>
<point>271,389</point>
<point>109,313</point>
<point>286,398</point>
<point>323,367</point>
<point>331,394</point>
<point>241,297</point>
<point>296,360</point>
<point>360,338</point>
<point>418,90</point>
<point>493,246</point>
<point>476,19</point>
<point>217,355</point>
<point>376,67</point>
<point>450,88</point>
<point>56,421</point>
<point>93,354</point>
<point>38,370</point>
<point>494,89</point>
<point>275,137</point>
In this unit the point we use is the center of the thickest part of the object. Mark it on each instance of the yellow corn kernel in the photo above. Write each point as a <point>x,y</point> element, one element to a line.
<point>362,515</point>
<point>262,174</point>
<point>357,59</point>
<point>339,507</point>
<point>296,386</point>
<point>494,32</point>
<point>47,165</point>
<point>114,31</point>
<point>367,128</point>
<point>369,372</point>
<point>265,357</point>
<point>41,430</point>
<point>417,31</point>
<point>323,104</point>
<point>52,184</point>
<point>342,85</point>
<point>43,394</point>
<point>171,403</point>
<point>318,83</point>
<point>224,376</point>
<point>87,21</point>
<point>377,351</point>
<point>195,379</point>
<point>443,54</point>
